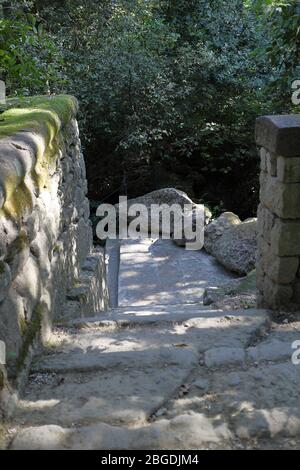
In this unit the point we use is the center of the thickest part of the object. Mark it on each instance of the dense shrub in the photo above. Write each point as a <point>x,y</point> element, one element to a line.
<point>169,90</point>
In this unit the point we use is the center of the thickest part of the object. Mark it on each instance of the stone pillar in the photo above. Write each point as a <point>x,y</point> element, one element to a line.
<point>278,273</point>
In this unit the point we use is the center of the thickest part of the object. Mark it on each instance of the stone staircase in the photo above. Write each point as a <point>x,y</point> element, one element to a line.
<point>161,376</point>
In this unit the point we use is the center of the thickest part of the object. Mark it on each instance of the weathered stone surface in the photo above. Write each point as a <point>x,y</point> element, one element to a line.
<point>5,279</point>
<point>279,211</point>
<point>49,437</point>
<point>282,199</point>
<point>271,161</point>
<point>279,269</point>
<point>189,431</point>
<point>276,295</point>
<point>216,229</point>
<point>272,350</point>
<point>42,245</point>
<point>279,134</point>
<point>159,262</point>
<point>265,222</point>
<point>240,286</point>
<point>285,238</point>
<point>168,197</point>
<point>139,377</point>
<point>268,423</point>
<point>288,169</point>
<point>162,196</point>
<point>224,357</point>
<point>236,248</point>
<point>263,159</point>
<point>296,291</point>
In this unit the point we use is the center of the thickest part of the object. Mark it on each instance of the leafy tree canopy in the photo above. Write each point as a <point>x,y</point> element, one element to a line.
<point>169,89</point>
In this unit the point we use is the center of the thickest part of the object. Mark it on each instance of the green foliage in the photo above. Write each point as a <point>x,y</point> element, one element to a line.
<point>281,22</point>
<point>169,89</point>
<point>29,59</point>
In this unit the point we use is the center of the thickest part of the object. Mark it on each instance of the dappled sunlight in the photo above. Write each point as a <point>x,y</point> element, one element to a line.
<point>168,274</point>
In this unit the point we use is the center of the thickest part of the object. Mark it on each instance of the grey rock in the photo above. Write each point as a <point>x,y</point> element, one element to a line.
<point>224,356</point>
<point>5,279</point>
<point>168,196</point>
<point>216,228</point>
<point>202,384</point>
<point>188,431</point>
<point>266,423</point>
<point>48,437</point>
<point>272,350</point>
<point>234,247</point>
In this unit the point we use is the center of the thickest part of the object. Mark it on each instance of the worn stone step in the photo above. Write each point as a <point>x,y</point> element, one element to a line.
<point>261,400</point>
<point>188,431</point>
<point>123,375</point>
<point>157,314</point>
<point>128,396</point>
<point>137,346</point>
<point>81,361</point>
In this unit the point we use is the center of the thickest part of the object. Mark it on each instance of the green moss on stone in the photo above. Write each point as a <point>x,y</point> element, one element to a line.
<point>20,201</point>
<point>33,329</point>
<point>41,114</point>
<point>45,117</point>
<point>18,245</point>
<point>23,326</point>
<point>248,284</point>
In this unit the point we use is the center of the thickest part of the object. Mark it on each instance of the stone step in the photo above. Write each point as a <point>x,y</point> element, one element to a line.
<point>100,360</point>
<point>149,315</point>
<point>188,431</point>
<point>124,375</point>
<point>126,397</point>
<point>89,293</point>
<point>196,332</point>
<point>225,409</point>
<point>134,346</point>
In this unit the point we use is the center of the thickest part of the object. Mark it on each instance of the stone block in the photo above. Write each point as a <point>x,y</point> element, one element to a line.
<point>265,222</point>
<point>288,169</point>
<point>279,134</point>
<point>280,198</point>
<point>296,293</point>
<point>276,295</point>
<point>263,160</point>
<point>281,270</point>
<point>271,161</point>
<point>285,238</point>
<point>224,356</point>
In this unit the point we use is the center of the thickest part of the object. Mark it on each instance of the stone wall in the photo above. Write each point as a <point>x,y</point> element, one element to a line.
<point>278,273</point>
<point>45,232</point>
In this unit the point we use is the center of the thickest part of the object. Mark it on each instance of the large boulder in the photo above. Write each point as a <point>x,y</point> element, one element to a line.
<point>162,196</point>
<point>216,228</point>
<point>232,242</point>
<point>168,196</point>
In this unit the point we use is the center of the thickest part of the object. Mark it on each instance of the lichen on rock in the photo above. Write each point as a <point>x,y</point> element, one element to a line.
<point>29,148</point>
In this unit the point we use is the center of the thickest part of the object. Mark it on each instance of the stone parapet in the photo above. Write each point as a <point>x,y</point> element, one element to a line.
<point>45,230</point>
<point>278,273</point>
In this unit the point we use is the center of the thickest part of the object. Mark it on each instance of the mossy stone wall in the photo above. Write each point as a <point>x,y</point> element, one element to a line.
<point>45,232</point>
